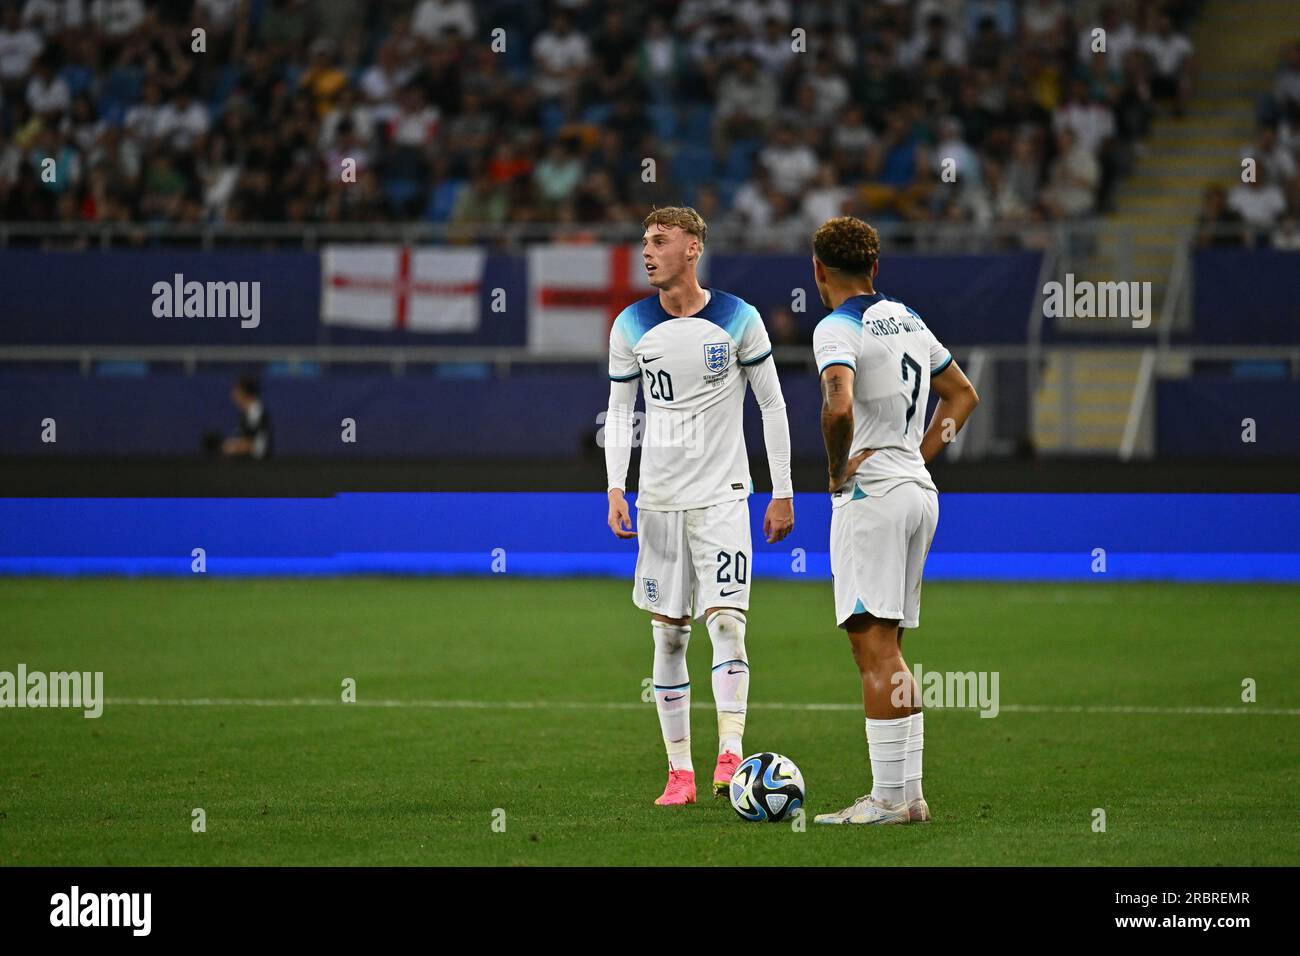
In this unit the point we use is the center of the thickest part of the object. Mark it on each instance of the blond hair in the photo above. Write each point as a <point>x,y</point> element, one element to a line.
<point>848,244</point>
<point>683,217</point>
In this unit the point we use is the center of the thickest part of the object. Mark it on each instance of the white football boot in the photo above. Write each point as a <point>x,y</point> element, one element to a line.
<point>867,809</point>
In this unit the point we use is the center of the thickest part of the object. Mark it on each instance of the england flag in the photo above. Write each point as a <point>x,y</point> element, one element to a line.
<point>397,287</point>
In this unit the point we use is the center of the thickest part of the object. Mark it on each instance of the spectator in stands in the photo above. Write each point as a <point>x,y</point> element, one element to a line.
<point>323,78</point>
<point>560,54</point>
<point>483,203</point>
<point>1043,22</point>
<point>824,199</point>
<point>182,122</point>
<point>54,18</point>
<point>47,93</point>
<point>752,204</point>
<point>252,438</point>
<point>1260,203</point>
<point>432,17</point>
<point>558,174</point>
<point>1172,57</point>
<point>1120,35</point>
<point>1286,87</point>
<point>1268,153</point>
<point>1073,180</point>
<point>1287,235</point>
<point>745,106</point>
<point>790,163</point>
<point>1218,225</point>
<point>614,73</point>
<point>1015,185</point>
<point>425,111</point>
<point>20,45</point>
<point>660,60</point>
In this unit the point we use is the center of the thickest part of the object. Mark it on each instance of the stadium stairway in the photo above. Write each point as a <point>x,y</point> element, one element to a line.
<point>1083,398</point>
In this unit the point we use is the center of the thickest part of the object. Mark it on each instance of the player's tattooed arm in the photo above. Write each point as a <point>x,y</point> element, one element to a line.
<point>837,425</point>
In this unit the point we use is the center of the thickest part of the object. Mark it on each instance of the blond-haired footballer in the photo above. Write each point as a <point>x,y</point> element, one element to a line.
<point>694,350</point>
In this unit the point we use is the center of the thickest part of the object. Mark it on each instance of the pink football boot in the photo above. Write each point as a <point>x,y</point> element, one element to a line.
<point>723,772</point>
<point>680,789</point>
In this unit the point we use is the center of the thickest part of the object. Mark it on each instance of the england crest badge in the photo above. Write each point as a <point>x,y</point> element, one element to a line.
<point>716,356</point>
<point>651,589</point>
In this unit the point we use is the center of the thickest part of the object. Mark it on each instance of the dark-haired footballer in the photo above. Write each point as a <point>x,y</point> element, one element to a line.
<point>878,361</point>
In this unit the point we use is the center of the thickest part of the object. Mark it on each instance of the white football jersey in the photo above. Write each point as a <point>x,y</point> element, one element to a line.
<point>693,442</point>
<point>893,355</point>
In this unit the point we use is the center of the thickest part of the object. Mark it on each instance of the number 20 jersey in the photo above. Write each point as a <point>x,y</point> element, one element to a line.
<point>693,444</point>
<point>893,355</point>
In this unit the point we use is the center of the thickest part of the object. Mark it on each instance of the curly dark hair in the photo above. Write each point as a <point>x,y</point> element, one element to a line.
<point>847,244</point>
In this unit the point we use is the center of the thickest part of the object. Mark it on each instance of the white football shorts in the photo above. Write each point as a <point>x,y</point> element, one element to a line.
<point>694,559</point>
<point>878,548</point>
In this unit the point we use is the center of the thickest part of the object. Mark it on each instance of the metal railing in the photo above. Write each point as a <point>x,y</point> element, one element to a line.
<point>724,234</point>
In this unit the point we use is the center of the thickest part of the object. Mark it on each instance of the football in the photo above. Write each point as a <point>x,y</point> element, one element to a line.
<point>766,787</point>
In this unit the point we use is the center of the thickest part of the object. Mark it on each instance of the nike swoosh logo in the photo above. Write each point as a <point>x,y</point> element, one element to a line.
<point>735,672</point>
<point>649,360</point>
<point>669,700</point>
<point>730,593</point>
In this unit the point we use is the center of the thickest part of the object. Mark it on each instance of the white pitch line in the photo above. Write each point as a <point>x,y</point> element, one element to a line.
<point>698,705</point>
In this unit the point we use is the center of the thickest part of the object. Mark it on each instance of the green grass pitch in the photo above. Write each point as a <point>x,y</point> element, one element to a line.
<point>323,782</point>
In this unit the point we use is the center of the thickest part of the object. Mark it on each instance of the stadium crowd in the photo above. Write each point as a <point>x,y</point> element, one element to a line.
<point>519,111</point>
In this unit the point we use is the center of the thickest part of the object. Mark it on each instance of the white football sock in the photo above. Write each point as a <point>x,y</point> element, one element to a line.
<point>912,765</point>
<point>730,676</point>
<point>887,747</point>
<point>673,691</point>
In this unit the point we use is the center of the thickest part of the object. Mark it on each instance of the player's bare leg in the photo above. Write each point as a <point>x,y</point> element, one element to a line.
<point>888,691</point>
<point>730,688</point>
<point>672,688</point>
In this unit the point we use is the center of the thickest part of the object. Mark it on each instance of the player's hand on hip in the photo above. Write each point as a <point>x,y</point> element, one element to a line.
<point>620,518</point>
<point>849,468</point>
<point>779,520</point>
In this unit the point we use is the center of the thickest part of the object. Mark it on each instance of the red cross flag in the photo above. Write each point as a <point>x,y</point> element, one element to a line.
<point>397,287</point>
<point>576,291</point>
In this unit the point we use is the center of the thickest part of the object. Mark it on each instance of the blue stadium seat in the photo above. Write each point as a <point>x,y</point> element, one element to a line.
<point>699,124</point>
<point>740,159</point>
<point>692,165</point>
<point>442,200</point>
<point>663,118</point>
<point>122,87</point>
<point>552,117</point>
<point>225,85</point>
<point>597,114</point>
<point>727,187</point>
<point>400,193</point>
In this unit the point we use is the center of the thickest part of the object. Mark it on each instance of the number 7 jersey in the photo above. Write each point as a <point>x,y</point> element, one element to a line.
<point>893,355</point>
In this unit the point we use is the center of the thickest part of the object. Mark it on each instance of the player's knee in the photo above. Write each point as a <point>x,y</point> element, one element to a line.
<point>871,652</point>
<point>671,639</point>
<point>727,631</point>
